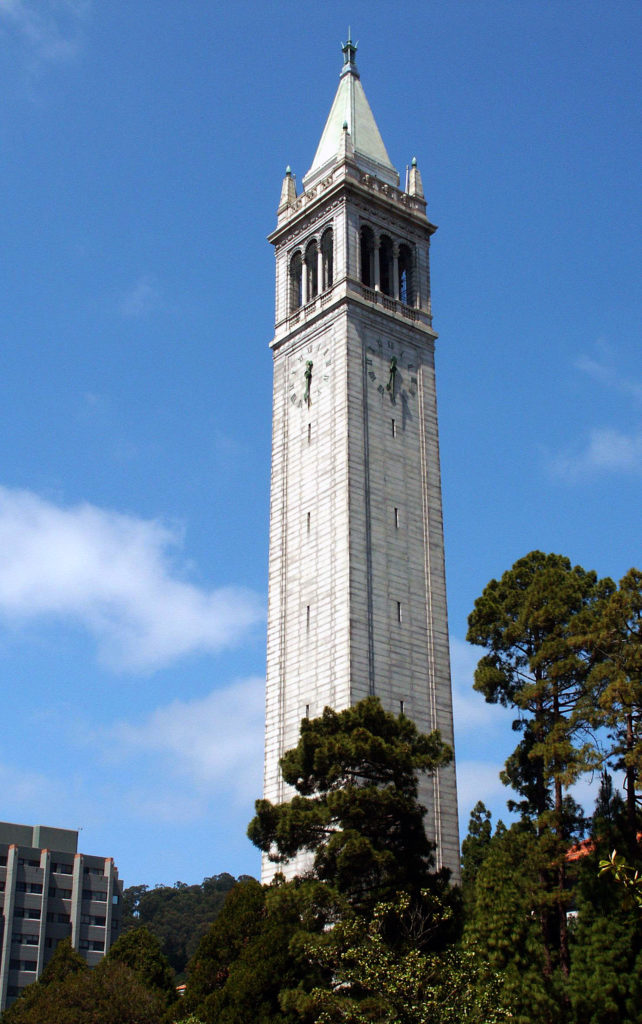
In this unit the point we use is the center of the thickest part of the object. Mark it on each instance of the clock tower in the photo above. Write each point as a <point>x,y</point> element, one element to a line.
<point>357,596</point>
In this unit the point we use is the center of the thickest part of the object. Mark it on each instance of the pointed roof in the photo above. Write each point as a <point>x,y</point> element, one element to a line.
<point>351,108</point>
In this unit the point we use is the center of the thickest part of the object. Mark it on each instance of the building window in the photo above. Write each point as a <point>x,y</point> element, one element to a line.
<point>308,519</point>
<point>307,617</point>
<point>406,275</point>
<point>402,705</point>
<point>88,894</point>
<point>307,710</point>
<point>309,432</point>
<point>367,257</point>
<point>311,270</point>
<point>296,282</point>
<point>398,611</point>
<point>385,265</point>
<point>396,519</point>
<point>393,424</point>
<point>327,259</point>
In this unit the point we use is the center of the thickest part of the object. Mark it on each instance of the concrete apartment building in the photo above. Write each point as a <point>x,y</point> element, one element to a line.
<point>357,591</point>
<point>49,892</point>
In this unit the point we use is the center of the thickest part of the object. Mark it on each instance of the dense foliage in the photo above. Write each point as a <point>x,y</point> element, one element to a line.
<point>564,651</point>
<point>370,933</point>
<point>177,915</point>
<point>356,810</point>
<point>114,992</point>
<point>274,950</point>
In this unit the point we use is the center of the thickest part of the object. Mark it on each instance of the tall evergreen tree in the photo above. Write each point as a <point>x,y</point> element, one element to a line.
<point>614,638</point>
<point>356,809</point>
<point>141,952</point>
<point>474,849</point>
<point>527,623</point>
<point>504,926</point>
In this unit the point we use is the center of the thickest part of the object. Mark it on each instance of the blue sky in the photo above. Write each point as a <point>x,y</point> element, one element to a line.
<point>143,147</point>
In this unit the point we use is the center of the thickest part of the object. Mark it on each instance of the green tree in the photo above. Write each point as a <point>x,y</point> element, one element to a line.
<point>503,927</point>
<point>527,621</point>
<point>110,994</point>
<point>249,955</point>
<point>606,938</point>
<point>177,915</point>
<point>141,952</point>
<point>65,963</point>
<point>372,981</point>
<point>614,638</point>
<point>356,809</point>
<point>474,849</point>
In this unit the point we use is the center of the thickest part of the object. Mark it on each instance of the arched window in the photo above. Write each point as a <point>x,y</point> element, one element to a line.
<point>367,257</point>
<point>296,282</point>
<point>327,259</point>
<point>406,275</point>
<point>311,271</point>
<point>385,265</point>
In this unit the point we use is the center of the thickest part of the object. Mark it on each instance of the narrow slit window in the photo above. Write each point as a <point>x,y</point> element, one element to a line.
<point>309,432</point>
<point>308,520</point>
<point>396,519</point>
<point>307,710</point>
<point>393,424</point>
<point>398,611</point>
<point>307,617</point>
<point>402,704</point>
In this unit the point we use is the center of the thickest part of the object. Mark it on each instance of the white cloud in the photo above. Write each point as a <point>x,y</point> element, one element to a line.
<point>142,298</point>
<point>605,373</point>
<point>606,451</point>
<point>23,789</point>
<point>114,575</point>
<point>471,711</point>
<point>50,30</point>
<point>215,743</point>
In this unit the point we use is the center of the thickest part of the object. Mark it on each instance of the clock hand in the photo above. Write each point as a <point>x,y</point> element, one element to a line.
<point>390,386</point>
<point>308,381</point>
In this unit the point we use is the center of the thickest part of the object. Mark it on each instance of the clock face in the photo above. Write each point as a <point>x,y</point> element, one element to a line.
<point>309,372</point>
<point>392,370</point>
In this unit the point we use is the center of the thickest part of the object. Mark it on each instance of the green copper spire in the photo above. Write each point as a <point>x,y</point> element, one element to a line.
<point>349,51</point>
<point>351,108</point>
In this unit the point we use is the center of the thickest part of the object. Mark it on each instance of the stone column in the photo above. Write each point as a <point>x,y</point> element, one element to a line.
<point>395,272</point>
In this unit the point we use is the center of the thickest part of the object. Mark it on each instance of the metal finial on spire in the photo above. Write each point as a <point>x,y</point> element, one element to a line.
<point>349,50</point>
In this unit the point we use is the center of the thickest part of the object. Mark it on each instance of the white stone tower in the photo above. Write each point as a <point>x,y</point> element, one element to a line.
<point>357,596</point>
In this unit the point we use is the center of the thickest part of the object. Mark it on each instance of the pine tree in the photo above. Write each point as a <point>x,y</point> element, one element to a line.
<point>141,952</point>
<point>356,809</point>
<point>504,928</point>
<point>527,623</point>
<point>474,850</point>
<point>614,638</point>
